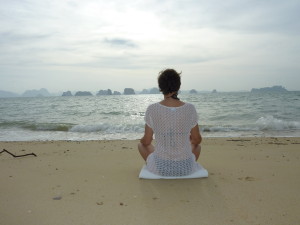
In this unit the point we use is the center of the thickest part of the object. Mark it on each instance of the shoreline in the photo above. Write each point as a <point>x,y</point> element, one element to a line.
<point>204,136</point>
<point>252,180</point>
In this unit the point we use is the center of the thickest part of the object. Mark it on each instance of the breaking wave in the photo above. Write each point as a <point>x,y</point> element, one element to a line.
<point>268,123</point>
<point>108,128</point>
<point>271,123</point>
<point>37,126</point>
<point>105,127</point>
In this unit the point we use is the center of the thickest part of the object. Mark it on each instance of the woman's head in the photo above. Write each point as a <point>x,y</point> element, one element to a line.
<point>169,81</point>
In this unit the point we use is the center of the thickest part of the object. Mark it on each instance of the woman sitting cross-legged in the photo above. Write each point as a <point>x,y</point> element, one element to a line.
<point>174,124</point>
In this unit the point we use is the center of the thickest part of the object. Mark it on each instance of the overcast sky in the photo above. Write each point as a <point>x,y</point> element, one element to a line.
<point>90,45</point>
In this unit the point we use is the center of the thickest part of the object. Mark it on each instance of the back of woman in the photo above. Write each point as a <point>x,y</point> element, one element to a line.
<point>174,124</point>
<point>171,125</point>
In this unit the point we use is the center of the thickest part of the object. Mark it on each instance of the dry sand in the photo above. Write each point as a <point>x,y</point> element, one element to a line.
<point>251,181</point>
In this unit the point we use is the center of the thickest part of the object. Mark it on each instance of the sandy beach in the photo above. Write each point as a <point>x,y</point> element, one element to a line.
<point>251,181</point>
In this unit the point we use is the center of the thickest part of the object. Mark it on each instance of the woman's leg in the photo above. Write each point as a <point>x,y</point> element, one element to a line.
<point>196,149</point>
<point>145,151</point>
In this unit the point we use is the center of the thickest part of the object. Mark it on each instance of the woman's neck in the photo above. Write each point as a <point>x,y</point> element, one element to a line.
<point>168,97</point>
<point>172,95</point>
<point>170,101</point>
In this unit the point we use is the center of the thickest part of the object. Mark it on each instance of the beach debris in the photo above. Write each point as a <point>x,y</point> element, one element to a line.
<point>100,203</point>
<point>249,178</point>
<point>57,198</point>
<point>15,156</point>
<point>277,143</point>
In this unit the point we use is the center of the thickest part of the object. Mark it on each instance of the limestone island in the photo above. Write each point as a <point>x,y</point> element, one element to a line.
<point>43,92</point>
<point>144,92</point>
<point>154,91</point>
<point>117,93</point>
<point>83,93</point>
<point>8,94</point>
<point>104,92</point>
<point>129,91</point>
<point>193,91</point>
<point>67,93</point>
<point>269,89</point>
<point>108,92</point>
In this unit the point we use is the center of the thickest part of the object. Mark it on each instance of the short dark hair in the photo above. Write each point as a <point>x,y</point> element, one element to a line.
<point>169,81</point>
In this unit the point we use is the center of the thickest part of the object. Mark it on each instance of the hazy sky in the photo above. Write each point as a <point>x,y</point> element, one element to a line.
<point>93,44</point>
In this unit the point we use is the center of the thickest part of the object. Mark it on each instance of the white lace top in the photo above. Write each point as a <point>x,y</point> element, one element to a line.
<point>173,153</point>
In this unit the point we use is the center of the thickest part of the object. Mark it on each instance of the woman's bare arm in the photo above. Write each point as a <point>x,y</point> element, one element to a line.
<point>148,136</point>
<point>195,135</point>
<point>195,141</point>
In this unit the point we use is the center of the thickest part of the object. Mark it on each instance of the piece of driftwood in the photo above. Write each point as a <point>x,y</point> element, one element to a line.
<point>15,156</point>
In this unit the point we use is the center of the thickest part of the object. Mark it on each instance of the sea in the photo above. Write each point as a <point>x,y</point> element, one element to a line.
<point>81,118</point>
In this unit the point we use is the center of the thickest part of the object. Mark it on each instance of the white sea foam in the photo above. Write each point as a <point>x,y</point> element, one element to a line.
<point>271,123</point>
<point>107,128</point>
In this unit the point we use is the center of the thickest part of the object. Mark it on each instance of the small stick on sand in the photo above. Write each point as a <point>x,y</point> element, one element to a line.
<point>15,156</point>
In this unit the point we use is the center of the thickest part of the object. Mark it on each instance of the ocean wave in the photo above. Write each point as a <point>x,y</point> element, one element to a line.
<point>112,113</point>
<point>271,123</point>
<point>268,123</point>
<point>36,126</point>
<point>225,129</point>
<point>66,127</point>
<point>108,128</point>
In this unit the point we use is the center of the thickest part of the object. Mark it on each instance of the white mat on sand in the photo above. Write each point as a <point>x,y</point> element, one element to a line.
<point>146,174</point>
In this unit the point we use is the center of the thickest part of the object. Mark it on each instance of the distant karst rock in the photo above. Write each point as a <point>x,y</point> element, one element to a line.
<point>83,93</point>
<point>7,94</point>
<point>43,92</point>
<point>144,91</point>
<point>269,89</point>
<point>193,91</point>
<point>129,91</point>
<point>154,91</point>
<point>117,93</point>
<point>67,93</point>
<point>105,92</point>
<point>214,91</point>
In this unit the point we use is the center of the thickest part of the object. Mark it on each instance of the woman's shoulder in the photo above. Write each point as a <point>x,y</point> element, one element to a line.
<point>188,104</point>
<point>152,106</point>
<point>159,105</point>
